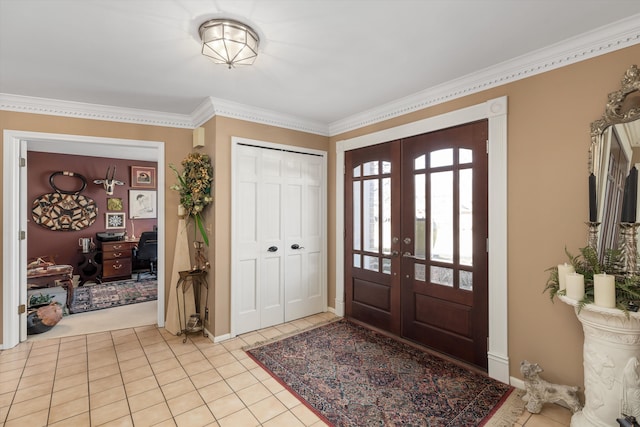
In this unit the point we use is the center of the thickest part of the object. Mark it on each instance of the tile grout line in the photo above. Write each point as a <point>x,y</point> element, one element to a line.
<point>15,390</point>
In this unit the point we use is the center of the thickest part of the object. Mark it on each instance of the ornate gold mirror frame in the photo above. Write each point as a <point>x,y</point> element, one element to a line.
<point>610,165</point>
<point>616,111</point>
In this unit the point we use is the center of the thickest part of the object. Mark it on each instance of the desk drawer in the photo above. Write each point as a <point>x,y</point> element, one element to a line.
<point>116,267</point>
<point>125,253</point>
<point>117,246</point>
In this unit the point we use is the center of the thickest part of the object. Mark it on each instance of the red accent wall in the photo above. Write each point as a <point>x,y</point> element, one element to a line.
<point>63,245</point>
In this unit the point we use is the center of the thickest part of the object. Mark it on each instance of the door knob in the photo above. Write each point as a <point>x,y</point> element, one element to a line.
<point>296,246</point>
<point>272,248</point>
<point>409,255</point>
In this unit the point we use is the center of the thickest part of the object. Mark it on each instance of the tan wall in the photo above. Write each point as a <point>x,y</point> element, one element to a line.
<point>548,140</point>
<point>177,145</point>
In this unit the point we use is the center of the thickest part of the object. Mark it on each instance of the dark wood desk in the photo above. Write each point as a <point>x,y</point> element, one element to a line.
<point>117,259</point>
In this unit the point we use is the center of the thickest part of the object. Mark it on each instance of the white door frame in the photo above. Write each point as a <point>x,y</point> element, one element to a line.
<point>495,111</point>
<point>235,141</point>
<point>14,218</point>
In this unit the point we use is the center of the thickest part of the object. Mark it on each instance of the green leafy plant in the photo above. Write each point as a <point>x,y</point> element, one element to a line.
<point>588,264</point>
<point>40,299</point>
<point>194,185</point>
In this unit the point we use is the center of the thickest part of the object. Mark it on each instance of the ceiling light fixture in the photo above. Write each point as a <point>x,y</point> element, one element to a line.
<point>229,42</point>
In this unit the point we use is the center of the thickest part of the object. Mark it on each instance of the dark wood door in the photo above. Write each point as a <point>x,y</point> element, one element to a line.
<point>444,232</point>
<point>372,209</point>
<point>416,235</point>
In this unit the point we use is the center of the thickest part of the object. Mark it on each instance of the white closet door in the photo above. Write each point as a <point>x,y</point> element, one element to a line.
<point>303,235</point>
<point>271,238</point>
<point>279,214</point>
<point>247,280</point>
<point>260,292</point>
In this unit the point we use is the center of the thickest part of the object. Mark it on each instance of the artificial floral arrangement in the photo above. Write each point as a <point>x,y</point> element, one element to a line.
<point>194,185</point>
<point>587,263</point>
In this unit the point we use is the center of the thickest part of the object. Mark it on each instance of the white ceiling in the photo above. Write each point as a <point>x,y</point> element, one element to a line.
<point>321,61</point>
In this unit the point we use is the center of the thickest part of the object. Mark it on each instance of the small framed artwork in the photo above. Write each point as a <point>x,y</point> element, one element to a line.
<point>142,204</point>
<point>114,204</point>
<point>143,177</point>
<point>114,220</point>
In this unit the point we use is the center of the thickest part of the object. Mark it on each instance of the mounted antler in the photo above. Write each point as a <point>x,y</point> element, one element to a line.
<point>109,182</point>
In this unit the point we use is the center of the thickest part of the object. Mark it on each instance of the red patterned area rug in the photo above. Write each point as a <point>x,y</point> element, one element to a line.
<point>352,376</point>
<point>113,294</point>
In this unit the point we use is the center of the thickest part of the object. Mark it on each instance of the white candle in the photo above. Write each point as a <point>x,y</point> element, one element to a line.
<point>604,290</point>
<point>575,286</point>
<point>563,270</point>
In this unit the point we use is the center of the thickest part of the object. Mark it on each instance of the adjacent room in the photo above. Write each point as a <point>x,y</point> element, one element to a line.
<point>113,246</point>
<point>308,213</point>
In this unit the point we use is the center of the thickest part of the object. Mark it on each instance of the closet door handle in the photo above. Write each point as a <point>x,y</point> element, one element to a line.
<point>296,246</point>
<point>273,249</point>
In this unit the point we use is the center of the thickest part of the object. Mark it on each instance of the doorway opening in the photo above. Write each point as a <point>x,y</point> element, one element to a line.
<point>15,209</point>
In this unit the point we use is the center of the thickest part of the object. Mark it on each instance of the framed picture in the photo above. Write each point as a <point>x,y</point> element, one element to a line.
<point>114,220</point>
<point>143,177</point>
<point>142,204</point>
<point>114,204</point>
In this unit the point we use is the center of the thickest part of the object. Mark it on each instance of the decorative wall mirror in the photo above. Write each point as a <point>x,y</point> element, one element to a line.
<point>614,151</point>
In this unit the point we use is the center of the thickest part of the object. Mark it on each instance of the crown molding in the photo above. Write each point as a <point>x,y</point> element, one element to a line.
<point>248,113</point>
<point>600,41</point>
<point>209,108</point>
<point>620,34</point>
<point>81,110</point>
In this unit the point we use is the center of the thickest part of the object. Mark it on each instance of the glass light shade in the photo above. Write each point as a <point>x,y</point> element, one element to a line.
<point>229,42</point>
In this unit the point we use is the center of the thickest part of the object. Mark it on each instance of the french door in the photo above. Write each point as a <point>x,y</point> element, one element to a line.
<point>416,236</point>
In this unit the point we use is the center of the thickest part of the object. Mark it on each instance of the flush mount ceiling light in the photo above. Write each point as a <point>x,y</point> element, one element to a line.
<point>229,42</point>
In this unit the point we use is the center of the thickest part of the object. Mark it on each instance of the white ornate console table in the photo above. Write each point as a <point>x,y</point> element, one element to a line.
<point>611,364</point>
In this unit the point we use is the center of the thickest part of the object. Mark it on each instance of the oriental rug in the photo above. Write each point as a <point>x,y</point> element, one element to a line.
<point>352,376</point>
<point>113,294</point>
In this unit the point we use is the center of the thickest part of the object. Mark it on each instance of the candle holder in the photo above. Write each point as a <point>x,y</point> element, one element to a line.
<point>592,241</point>
<point>629,247</point>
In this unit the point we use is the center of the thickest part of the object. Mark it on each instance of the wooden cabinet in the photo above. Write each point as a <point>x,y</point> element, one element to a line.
<point>116,260</point>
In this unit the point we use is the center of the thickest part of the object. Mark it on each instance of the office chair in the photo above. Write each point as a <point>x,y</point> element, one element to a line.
<point>148,251</point>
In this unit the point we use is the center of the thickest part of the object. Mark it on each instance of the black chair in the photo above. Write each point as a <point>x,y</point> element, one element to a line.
<point>147,251</point>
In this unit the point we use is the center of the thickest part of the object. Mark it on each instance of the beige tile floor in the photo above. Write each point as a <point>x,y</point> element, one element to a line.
<point>145,376</point>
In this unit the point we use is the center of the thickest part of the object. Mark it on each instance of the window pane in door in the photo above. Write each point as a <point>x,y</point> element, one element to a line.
<point>420,246</point>
<point>442,276</point>
<point>386,265</point>
<point>371,263</point>
<point>465,156</point>
<point>370,168</point>
<point>386,216</point>
<point>466,217</point>
<point>441,216</point>
<point>356,216</point>
<point>356,261</point>
<point>370,215</point>
<point>356,172</point>
<point>386,167</point>
<point>441,158</point>
<point>466,280</point>
<point>420,162</point>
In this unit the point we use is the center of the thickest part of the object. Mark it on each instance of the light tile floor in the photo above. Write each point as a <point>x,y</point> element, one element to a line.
<point>146,376</point>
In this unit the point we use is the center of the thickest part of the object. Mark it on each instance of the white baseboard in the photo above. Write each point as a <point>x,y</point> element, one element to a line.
<point>516,382</point>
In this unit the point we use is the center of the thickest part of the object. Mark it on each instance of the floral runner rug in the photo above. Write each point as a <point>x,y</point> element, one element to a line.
<point>352,376</point>
<point>113,294</point>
